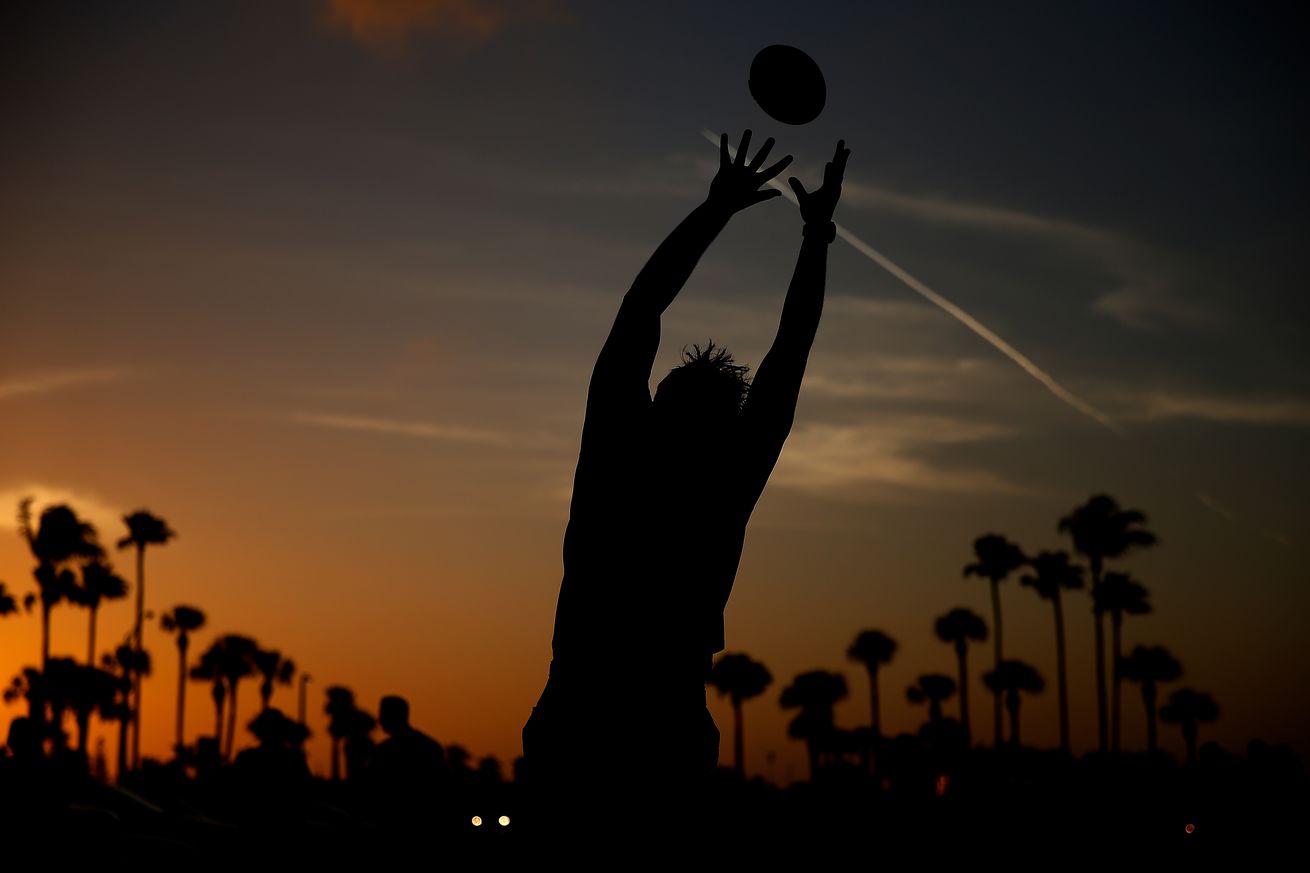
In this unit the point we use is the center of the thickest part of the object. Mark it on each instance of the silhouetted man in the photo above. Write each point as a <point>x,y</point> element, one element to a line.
<point>407,769</point>
<point>661,497</point>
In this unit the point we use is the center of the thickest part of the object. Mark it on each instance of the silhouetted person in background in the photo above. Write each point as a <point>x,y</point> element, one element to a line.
<point>273,777</point>
<point>407,771</point>
<point>663,490</point>
<point>23,755</point>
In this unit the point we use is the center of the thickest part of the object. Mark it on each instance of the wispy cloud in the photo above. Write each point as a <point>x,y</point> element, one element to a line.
<point>388,26</point>
<point>106,518</point>
<point>1271,411</point>
<point>941,209</point>
<point>893,377</point>
<point>1145,293</point>
<point>886,455</point>
<point>42,383</point>
<point>394,427</point>
<point>679,177</point>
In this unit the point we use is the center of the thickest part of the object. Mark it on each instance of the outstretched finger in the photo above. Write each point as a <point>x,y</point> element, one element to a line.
<point>798,188</point>
<point>766,194</point>
<point>741,149</point>
<point>769,172</point>
<point>723,150</point>
<point>836,168</point>
<point>761,154</point>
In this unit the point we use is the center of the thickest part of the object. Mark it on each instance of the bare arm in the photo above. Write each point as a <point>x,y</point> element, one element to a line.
<point>771,403</point>
<point>629,351</point>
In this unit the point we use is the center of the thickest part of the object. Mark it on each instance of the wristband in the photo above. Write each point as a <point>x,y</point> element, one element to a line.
<point>826,232</point>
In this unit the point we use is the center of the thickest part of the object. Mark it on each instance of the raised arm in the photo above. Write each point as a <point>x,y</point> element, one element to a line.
<point>629,351</point>
<point>771,403</point>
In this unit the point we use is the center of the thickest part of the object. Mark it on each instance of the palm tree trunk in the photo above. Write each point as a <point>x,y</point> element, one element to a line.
<point>137,638</point>
<point>1062,679</point>
<point>1098,618</point>
<point>336,759</point>
<point>136,723</point>
<point>1116,637</point>
<point>181,691</point>
<point>218,696</point>
<point>123,718</point>
<point>1189,737</point>
<point>91,640</point>
<point>996,696</point>
<point>875,705</point>
<point>812,747</point>
<point>738,741</point>
<point>962,653</point>
<point>45,635</point>
<point>1148,697</point>
<point>1012,704</point>
<point>231,721</point>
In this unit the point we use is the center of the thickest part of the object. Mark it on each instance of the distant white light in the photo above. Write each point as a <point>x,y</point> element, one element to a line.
<point>477,821</point>
<point>504,821</point>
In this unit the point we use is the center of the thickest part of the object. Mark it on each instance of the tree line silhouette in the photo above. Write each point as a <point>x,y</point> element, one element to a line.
<point>72,568</point>
<point>1101,531</point>
<point>400,791</point>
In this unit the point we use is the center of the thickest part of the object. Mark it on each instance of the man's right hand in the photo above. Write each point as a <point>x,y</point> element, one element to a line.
<point>737,184</point>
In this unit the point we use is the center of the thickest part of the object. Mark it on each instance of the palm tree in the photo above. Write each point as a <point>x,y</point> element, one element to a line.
<point>1052,573</point>
<point>1148,666</point>
<point>740,678</point>
<point>270,664</point>
<point>1119,594</point>
<point>143,529</point>
<point>59,538</point>
<point>1101,530</point>
<point>997,559</point>
<point>99,583</point>
<point>1011,678</point>
<point>1187,709</point>
<point>210,669</point>
<point>933,689</point>
<point>814,693</point>
<point>182,620</point>
<point>87,689</point>
<point>129,664</point>
<point>340,710</point>
<point>235,662</point>
<point>873,648</point>
<point>957,627</point>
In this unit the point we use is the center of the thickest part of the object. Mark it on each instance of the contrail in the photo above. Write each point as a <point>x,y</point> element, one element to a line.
<point>955,312</point>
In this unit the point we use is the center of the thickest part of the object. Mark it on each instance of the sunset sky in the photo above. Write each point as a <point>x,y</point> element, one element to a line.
<point>321,283</point>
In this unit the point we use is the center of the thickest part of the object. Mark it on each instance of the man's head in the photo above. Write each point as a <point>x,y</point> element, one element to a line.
<point>393,714</point>
<point>707,389</point>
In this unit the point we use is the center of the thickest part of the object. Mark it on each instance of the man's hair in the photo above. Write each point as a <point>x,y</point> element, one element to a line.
<point>711,370</point>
